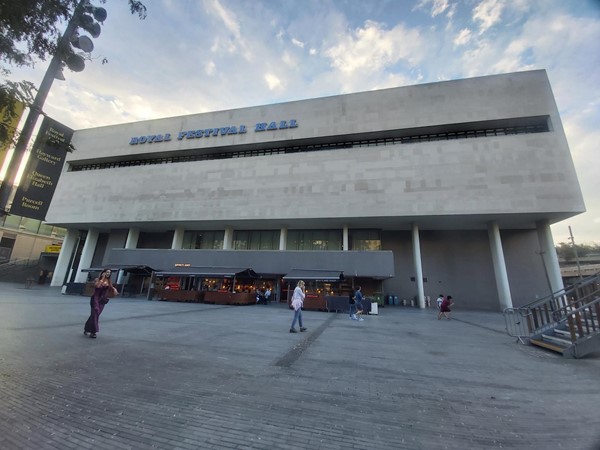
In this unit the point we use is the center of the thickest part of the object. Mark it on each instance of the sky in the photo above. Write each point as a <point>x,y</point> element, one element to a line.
<point>193,56</point>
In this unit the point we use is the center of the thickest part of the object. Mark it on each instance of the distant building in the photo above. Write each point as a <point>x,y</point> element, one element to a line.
<point>446,187</point>
<point>29,242</point>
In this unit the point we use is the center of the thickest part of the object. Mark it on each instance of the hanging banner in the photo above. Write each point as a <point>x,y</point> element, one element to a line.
<point>42,171</point>
<point>9,123</point>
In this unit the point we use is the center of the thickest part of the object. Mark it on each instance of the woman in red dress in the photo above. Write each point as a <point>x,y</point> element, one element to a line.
<point>103,288</point>
<point>445,307</point>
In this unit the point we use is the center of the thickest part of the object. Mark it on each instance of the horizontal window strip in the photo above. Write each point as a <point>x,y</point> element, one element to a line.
<point>505,127</point>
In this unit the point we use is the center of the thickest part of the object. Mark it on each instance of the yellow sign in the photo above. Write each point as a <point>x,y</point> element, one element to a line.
<point>11,127</point>
<point>53,248</point>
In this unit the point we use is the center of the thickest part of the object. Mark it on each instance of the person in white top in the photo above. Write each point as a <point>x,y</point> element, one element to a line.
<point>297,303</point>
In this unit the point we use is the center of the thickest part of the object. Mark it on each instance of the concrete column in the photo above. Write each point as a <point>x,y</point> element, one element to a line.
<point>345,245</point>
<point>499,266</point>
<point>283,238</point>
<point>87,255</point>
<point>177,243</point>
<point>64,257</point>
<point>228,238</point>
<point>549,256</point>
<point>418,265</point>
<point>132,239</point>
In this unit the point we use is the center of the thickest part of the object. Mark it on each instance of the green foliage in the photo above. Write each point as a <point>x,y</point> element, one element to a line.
<point>566,251</point>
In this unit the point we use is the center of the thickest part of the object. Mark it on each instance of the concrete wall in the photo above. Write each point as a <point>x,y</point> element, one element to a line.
<point>494,175</point>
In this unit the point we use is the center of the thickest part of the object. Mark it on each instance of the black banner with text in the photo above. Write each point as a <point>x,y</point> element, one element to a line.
<point>43,170</point>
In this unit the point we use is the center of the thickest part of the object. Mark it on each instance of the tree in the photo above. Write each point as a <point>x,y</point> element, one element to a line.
<point>565,251</point>
<point>30,32</point>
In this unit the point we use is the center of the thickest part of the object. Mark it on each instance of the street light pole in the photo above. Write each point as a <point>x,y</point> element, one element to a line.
<point>35,110</point>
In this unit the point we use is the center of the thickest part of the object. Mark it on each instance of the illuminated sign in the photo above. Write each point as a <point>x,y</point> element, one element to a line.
<point>213,132</point>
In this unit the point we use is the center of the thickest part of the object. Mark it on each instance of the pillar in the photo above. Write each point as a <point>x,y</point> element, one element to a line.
<point>228,238</point>
<point>64,257</point>
<point>418,265</point>
<point>549,255</point>
<point>132,239</point>
<point>283,238</point>
<point>500,273</point>
<point>177,243</point>
<point>87,255</point>
<point>345,240</point>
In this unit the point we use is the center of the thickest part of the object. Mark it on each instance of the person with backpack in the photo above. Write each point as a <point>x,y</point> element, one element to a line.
<point>358,297</point>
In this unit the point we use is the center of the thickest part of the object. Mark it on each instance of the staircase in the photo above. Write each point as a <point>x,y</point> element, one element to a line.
<point>566,322</point>
<point>19,270</point>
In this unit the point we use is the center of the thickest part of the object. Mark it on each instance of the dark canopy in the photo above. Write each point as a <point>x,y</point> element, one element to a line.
<point>136,270</point>
<point>217,272</point>
<point>315,275</point>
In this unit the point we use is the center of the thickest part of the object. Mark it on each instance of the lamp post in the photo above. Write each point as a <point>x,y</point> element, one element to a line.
<point>35,110</point>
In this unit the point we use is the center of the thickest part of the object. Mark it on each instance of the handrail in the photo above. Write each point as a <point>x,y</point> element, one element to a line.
<point>590,313</point>
<point>535,318</point>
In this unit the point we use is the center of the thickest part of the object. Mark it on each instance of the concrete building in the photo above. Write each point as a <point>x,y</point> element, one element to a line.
<point>446,187</point>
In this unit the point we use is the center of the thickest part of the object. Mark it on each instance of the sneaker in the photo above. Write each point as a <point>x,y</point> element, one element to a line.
<point>302,329</point>
<point>293,330</point>
<point>354,317</point>
<point>93,335</point>
<point>360,319</point>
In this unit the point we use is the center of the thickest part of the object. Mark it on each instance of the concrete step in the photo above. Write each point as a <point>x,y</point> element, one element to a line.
<point>564,343</point>
<point>566,334</point>
<point>547,345</point>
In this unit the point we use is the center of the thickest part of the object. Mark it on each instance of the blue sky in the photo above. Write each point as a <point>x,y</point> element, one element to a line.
<point>192,56</point>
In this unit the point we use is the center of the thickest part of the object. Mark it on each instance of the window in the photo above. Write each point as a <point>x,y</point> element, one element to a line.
<point>314,240</point>
<point>256,240</point>
<point>203,240</point>
<point>369,240</point>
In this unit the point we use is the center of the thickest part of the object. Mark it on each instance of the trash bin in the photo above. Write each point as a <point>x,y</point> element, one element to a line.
<point>374,309</point>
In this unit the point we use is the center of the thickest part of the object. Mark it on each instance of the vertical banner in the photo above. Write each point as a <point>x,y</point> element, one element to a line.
<point>9,123</point>
<point>43,170</point>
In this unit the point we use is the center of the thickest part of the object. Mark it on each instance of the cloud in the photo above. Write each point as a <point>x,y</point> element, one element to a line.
<point>297,43</point>
<point>462,38</point>
<point>487,13</point>
<point>436,7</point>
<point>273,82</point>
<point>372,48</point>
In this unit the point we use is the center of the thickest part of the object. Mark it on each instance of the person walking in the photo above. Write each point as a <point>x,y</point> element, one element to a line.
<point>297,303</point>
<point>445,308</point>
<point>103,288</point>
<point>439,301</point>
<point>352,306</point>
<point>358,297</point>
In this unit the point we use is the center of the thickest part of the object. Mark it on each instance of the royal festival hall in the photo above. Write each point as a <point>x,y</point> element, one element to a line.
<point>410,192</point>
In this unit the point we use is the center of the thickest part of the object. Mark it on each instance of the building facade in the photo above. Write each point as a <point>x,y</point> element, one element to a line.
<point>446,187</point>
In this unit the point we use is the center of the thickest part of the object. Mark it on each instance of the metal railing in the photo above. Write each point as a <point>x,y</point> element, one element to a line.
<point>529,321</point>
<point>17,265</point>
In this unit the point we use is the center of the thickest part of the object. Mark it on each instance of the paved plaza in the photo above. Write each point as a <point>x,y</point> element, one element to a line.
<point>196,376</point>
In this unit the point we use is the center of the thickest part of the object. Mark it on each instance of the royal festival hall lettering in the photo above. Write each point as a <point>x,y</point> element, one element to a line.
<point>213,132</point>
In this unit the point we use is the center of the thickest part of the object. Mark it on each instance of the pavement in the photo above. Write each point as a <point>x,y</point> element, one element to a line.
<point>195,376</point>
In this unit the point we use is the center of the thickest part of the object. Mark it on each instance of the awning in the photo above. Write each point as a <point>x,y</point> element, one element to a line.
<point>315,275</point>
<point>208,272</point>
<point>136,270</point>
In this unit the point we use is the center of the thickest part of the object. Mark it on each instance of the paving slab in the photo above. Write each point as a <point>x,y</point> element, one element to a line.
<point>193,376</point>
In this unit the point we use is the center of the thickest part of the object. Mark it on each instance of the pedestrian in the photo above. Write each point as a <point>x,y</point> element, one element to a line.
<point>439,301</point>
<point>445,308</point>
<point>352,305</point>
<point>297,303</point>
<point>103,289</point>
<point>358,297</point>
